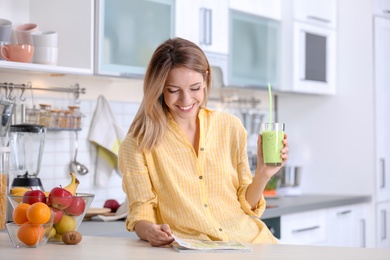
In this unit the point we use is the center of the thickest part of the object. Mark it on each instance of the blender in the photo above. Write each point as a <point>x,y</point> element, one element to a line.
<point>27,143</point>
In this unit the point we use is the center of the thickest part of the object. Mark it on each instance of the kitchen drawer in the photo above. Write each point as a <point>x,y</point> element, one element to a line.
<point>307,228</point>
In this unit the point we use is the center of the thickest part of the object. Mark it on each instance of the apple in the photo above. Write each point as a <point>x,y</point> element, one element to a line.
<point>112,204</point>
<point>57,215</point>
<point>76,208</point>
<point>33,196</point>
<point>59,198</point>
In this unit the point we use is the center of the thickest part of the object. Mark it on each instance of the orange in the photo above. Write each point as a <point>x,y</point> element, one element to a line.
<point>30,234</point>
<point>38,213</point>
<point>19,215</point>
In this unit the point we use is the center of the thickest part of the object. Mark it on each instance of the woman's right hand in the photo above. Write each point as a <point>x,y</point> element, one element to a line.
<point>155,234</point>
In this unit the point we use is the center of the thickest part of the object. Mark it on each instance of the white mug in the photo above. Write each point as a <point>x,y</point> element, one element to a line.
<point>45,39</point>
<point>45,55</point>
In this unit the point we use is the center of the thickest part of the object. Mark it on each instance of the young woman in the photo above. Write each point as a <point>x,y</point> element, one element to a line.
<point>185,167</point>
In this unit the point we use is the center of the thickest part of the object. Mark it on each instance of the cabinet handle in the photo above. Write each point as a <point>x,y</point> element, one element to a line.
<point>363,233</point>
<point>305,229</point>
<point>205,26</point>
<point>344,212</point>
<point>383,172</point>
<point>383,235</point>
<point>318,19</point>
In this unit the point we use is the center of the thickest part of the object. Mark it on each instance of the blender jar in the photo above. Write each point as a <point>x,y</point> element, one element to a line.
<point>27,143</point>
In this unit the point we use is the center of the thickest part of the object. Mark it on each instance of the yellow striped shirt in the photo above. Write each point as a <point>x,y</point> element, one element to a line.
<point>200,197</point>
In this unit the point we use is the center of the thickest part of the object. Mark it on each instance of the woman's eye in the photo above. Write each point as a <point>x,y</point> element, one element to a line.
<point>195,89</point>
<point>172,91</point>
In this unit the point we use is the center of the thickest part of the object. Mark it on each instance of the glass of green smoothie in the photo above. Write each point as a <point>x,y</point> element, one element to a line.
<point>272,142</point>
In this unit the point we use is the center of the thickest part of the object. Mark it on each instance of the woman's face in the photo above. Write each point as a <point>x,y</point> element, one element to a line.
<point>184,92</point>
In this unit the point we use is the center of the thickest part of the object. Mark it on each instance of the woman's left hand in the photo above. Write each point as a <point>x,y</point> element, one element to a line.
<point>270,171</point>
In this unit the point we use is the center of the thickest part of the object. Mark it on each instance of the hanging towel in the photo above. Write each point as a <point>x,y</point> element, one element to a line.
<point>106,134</point>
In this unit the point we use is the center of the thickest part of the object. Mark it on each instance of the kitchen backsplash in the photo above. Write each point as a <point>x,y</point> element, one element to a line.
<point>60,147</point>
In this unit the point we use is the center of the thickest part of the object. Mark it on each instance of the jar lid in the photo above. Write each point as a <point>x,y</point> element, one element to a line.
<point>29,128</point>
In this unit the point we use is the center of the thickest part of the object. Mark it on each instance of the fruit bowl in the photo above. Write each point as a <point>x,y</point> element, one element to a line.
<point>29,235</point>
<point>67,211</point>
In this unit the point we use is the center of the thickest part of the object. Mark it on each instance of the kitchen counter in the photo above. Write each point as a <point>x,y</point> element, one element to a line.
<point>97,247</point>
<point>279,206</point>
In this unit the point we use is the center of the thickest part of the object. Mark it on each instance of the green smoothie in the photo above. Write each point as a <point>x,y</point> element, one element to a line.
<point>272,144</point>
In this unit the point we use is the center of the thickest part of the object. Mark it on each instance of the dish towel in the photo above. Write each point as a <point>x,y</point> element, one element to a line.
<point>106,134</point>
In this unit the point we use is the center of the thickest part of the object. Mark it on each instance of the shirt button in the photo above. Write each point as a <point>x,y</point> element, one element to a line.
<point>200,177</point>
<point>220,229</point>
<point>205,205</point>
<point>202,149</point>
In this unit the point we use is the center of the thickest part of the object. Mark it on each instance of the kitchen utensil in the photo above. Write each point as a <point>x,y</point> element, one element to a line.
<point>290,176</point>
<point>75,166</point>
<point>27,142</point>
<point>252,121</point>
<point>6,110</point>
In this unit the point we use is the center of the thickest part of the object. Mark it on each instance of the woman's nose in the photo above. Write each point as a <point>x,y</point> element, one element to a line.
<point>185,97</point>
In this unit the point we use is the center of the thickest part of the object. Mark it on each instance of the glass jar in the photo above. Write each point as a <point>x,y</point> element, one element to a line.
<point>76,117</point>
<point>44,114</point>
<point>33,116</point>
<point>54,119</point>
<point>4,182</point>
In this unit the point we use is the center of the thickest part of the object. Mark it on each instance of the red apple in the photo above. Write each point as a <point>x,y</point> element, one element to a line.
<point>59,198</point>
<point>112,204</point>
<point>57,215</point>
<point>33,196</point>
<point>76,208</point>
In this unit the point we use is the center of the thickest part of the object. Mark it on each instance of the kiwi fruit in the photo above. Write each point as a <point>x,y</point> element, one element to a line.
<point>71,237</point>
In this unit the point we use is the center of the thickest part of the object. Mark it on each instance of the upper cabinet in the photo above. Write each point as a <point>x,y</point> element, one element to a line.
<point>129,32</point>
<point>264,8</point>
<point>75,32</point>
<point>254,53</point>
<point>309,46</point>
<point>382,8</point>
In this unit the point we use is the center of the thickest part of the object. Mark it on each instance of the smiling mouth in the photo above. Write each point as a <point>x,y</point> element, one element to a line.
<point>187,107</point>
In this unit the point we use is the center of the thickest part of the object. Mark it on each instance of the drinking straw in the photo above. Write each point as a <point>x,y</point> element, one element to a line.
<point>270,102</point>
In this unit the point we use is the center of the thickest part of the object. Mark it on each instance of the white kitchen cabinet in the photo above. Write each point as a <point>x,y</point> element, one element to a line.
<point>382,106</point>
<point>382,8</point>
<point>254,51</point>
<point>204,22</point>
<point>346,226</point>
<point>306,228</point>
<point>265,8</point>
<point>319,13</point>
<point>75,32</point>
<point>128,34</point>
<point>383,224</point>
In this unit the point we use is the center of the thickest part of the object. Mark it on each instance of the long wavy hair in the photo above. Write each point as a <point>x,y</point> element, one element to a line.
<point>151,120</point>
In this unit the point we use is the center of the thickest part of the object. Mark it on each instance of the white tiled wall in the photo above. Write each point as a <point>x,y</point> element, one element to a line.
<point>59,151</point>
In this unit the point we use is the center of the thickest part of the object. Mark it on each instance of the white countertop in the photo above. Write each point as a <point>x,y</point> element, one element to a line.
<point>97,247</point>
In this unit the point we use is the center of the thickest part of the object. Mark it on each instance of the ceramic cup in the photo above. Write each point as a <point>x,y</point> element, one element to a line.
<point>45,39</point>
<point>23,33</point>
<point>2,43</point>
<point>5,30</point>
<point>45,55</point>
<point>17,52</point>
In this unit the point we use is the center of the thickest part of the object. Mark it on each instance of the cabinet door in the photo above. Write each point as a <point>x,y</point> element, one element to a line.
<point>346,226</point>
<point>254,51</point>
<point>129,32</point>
<point>187,19</point>
<point>314,59</point>
<point>320,13</point>
<point>382,106</point>
<point>307,228</point>
<point>265,8</point>
<point>382,8</point>
<point>383,224</point>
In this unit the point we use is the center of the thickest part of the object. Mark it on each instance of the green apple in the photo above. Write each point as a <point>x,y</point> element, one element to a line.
<point>52,233</point>
<point>67,223</point>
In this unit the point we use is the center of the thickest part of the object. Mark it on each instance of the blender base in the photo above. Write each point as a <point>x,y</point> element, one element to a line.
<point>31,182</point>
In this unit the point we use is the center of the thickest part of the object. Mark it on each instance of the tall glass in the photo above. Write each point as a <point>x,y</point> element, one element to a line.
<point>272,142</point>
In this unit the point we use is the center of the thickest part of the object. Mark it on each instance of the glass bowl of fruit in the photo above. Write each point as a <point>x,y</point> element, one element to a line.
<point>67,207</point>
<point>28,234</point>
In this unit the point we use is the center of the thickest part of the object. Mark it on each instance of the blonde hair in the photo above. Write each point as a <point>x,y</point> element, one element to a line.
<point>150,122</point>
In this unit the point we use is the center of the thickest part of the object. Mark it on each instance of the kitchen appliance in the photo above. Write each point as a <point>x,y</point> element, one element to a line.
<point>289,180</point>
<point>27,143</point>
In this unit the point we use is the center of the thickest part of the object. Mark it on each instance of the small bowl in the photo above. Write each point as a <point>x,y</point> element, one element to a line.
<point>74,217</point>
<point>40,237</point>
